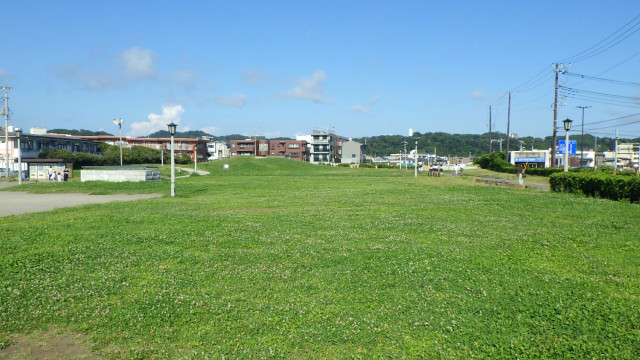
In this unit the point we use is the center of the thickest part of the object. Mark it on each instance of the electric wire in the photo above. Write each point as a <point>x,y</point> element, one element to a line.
<point>618,82</point>
<point>606,44</point>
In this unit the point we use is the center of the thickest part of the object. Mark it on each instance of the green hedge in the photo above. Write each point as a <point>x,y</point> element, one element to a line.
<point>597,185</point>
<point>495,162</point>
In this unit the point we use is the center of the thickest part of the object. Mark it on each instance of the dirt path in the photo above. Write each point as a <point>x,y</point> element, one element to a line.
<point>16,202</point>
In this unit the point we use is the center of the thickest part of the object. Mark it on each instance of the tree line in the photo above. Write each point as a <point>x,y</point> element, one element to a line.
<point>110,156</point>
<point>472,145</point>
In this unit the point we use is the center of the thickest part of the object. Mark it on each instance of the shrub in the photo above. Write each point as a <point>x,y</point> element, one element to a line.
<point>495,162</point>
<point>597,184</point>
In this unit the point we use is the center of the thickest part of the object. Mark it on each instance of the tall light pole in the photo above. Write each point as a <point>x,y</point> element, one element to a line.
<point>172,131</point>
<point>567,127</point>
<point>18,132</point>
<point>582,135</point>
<point>119,123</point>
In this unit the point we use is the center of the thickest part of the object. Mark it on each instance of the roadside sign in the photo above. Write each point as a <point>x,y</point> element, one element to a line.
<point>573,145</point>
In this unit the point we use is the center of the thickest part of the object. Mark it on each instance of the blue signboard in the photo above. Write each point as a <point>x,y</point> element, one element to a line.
<point>573,145</point>
<point>529,159</point>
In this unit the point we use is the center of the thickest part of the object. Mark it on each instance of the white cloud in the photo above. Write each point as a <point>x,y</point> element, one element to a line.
<point>139,63</point>
<point>210,129</point>
<point>170,113</point>
<point>236,100</point>
<point>103,71</point>
<point>361,109</point>
<point>478,95</point>
<point>310,88</point>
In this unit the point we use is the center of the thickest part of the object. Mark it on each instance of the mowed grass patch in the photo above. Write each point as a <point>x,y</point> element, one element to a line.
<point>275,258</point>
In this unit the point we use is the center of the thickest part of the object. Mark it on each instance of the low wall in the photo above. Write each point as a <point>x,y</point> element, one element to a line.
<point>120,175</point>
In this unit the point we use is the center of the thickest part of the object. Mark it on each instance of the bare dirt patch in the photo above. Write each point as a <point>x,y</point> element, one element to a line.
<point>49,345</point>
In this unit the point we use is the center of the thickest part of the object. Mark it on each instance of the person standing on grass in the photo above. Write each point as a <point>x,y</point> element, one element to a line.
<point>65,174</point>
<point>50,173</point>
<point>520,173</point>
<point>455,170</point>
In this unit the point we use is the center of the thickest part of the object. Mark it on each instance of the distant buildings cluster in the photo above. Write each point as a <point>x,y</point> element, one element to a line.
<point>318,147</point>
<point>321,146</point>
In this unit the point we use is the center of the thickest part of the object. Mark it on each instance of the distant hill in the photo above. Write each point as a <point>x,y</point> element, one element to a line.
<point>81,132</point>
<point>195,135</point>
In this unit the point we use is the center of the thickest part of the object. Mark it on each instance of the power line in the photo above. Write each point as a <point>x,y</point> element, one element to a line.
<point>526,86</point>
<point>614,119</point>
<point>602,79</point>
<point>606,44</point>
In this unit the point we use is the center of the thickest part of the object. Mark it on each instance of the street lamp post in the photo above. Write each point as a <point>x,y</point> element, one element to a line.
<point>567,127</point>
<point>18,135</point>
<point>119,123</point>
<point>172,131</point>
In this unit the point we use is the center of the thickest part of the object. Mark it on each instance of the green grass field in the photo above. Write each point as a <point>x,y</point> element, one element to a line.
<point>280,259</point>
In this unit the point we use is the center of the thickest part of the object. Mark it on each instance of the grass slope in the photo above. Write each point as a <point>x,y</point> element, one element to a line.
<point>281,259</point>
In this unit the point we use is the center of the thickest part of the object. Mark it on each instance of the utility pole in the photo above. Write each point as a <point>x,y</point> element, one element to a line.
<point>554,144</point>
<point>5,112</point>
<point>490,130</point>
<point>615,163</point>
<point>406,167</point>
<point>582,135</point>
<point>506,153</point>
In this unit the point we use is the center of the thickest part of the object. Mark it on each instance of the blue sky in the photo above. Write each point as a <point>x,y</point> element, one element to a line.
<point>283,68</point>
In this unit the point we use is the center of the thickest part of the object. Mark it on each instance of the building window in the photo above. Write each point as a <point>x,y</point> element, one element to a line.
<point>294,146</point>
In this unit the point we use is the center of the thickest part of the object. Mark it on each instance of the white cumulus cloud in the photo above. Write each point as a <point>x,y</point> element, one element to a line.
<point>310,88</point>
<point>170,114</point>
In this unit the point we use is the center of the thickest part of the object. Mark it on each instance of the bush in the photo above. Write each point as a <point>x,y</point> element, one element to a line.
<point>597,184</point>
<point>495,162</point>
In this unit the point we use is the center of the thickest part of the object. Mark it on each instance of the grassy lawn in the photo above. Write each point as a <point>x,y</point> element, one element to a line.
<point>280,259</point>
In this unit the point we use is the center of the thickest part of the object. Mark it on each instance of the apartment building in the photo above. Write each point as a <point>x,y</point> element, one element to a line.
<point>259,146</point>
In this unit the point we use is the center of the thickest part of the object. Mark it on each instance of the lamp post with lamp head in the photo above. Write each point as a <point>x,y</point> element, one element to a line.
<point>567,127</point>
<point>172,132</point>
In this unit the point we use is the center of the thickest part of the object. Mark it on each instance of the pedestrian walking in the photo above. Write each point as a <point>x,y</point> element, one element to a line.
<point>520,173</point>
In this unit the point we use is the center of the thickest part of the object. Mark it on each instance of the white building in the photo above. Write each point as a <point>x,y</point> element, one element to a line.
<point>218,150</point>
